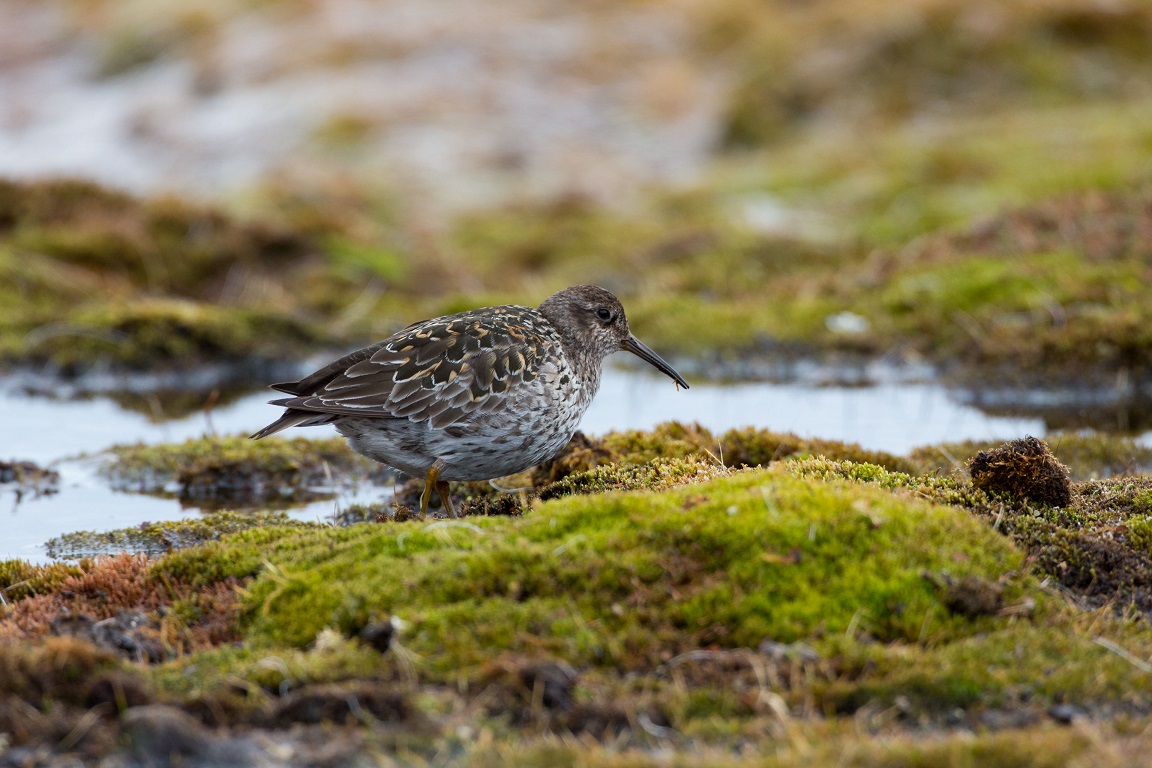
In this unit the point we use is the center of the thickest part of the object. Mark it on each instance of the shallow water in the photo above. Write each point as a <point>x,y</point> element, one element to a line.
<point>69,435</point>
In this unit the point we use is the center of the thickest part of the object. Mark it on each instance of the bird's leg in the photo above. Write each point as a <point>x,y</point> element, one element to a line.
<point>445,499</point>
<point>433,481</point>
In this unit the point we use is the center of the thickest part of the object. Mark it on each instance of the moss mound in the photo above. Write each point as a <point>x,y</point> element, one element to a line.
<point>778,584</point>
<point>233,470</point>
<point>155,538</point>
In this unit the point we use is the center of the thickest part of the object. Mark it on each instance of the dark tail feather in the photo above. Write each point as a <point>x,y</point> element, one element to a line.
<point>287,387</point>
<point>293,418</point>
<point>314,382</point>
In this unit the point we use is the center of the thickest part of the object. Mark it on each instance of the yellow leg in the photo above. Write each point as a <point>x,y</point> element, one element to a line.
<point>433,481</point>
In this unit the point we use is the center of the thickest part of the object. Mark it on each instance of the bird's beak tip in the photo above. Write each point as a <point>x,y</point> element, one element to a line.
<point>641,350</point>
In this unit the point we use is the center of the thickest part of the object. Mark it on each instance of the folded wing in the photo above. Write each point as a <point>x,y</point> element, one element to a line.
<point>437,371</point>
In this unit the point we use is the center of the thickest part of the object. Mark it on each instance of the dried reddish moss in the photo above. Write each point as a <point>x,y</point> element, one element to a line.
<point>110,586</point>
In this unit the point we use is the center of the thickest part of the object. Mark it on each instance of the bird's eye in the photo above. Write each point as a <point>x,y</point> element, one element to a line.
<point>604,314</point>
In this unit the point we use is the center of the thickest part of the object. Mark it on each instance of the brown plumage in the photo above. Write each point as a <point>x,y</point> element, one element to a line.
<point>471,396</point>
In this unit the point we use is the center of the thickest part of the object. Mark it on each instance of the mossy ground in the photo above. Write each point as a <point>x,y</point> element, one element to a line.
<point>809,608</point>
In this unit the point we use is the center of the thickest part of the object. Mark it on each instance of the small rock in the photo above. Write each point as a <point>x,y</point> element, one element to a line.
<point>378,634</point>
<point>129,634</point>
<point>1007,719</point>
<point>847,323</point>
<point>788,651</point>
<point>1066,714</point>
<point>162,735</point>
<point>29,478</point>
<point>557,681</point>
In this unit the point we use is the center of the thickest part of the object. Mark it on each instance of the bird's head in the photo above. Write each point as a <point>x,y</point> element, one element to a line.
<point>594,320</point>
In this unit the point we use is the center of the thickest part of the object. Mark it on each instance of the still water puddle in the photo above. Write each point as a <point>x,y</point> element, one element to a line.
<point>69,436</point>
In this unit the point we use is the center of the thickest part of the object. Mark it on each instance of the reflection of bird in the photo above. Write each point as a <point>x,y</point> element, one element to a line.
<point>472,396</point>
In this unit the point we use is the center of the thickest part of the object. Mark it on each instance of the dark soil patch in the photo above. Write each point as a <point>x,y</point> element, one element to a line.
<point>364,702</point>
<point>970,596</point>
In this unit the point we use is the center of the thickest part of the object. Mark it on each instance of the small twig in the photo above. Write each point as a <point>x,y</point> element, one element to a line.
<point>439,524</point>
<point>209,404</point>
<point>1123,653</point>
<point>956,463</point>
<point>501,489</point>
<point>83,725</point>
<point>577,539</point>
<point>850,631</point>
<point>658,731</point>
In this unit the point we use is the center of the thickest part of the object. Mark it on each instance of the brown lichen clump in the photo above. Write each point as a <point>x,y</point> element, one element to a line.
<point>1022,469</point>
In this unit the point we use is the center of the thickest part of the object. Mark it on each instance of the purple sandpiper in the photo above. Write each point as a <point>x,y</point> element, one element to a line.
<point>472,396</point>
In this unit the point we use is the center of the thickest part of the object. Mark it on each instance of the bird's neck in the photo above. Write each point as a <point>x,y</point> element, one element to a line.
<point>586,363</point>
<point>588,366</point>
<point>585,360</point>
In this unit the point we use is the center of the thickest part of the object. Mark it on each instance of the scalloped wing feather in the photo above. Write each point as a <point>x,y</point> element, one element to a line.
<point>437,371</point>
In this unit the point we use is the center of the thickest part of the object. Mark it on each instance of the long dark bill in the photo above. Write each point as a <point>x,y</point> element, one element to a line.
<point>638,348</point>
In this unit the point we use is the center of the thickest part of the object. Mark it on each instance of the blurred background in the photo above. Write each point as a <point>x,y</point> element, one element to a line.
<point>769,164</point>
<point>914,178</point>
<point>196,197</point>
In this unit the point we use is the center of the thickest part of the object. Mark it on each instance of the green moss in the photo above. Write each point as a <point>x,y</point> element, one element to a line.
<point>758,447</point>
<point>665,596</point>
<point>150,334</point>
<point>344,131</point>
<point>669,440</point>
<point>60,670</point>
<point>1001,308</point>
<point>1140,528</point>
<point>591,579</point>
<point>20,579</point>
<point>802,746</point>
<point>657,474</point>
<point>80,259</point>
<point>213,672</point>
<point>357,261</point>
<point>99,275</point>
<point>239,557</point>
<point>748,446</point>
